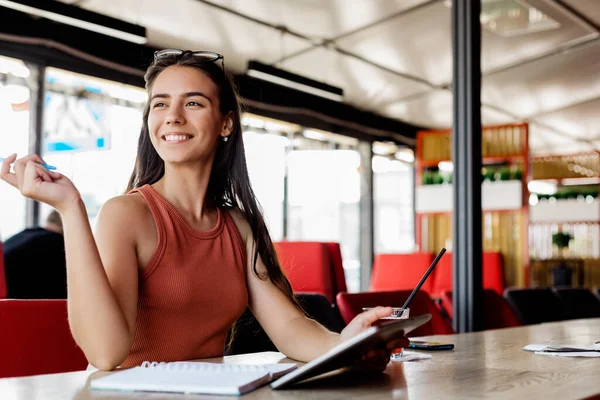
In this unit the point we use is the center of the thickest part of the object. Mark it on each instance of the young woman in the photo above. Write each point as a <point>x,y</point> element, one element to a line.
<point>176,260</point>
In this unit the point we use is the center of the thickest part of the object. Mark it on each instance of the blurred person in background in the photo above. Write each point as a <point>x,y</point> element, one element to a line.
<point>35,263</point>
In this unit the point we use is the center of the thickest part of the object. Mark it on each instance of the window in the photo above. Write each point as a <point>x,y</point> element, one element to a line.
<point>90,133</point>
<point>393,205</point>
<point>324,203</point>
<point>265,157</point>
<point>16,87</point>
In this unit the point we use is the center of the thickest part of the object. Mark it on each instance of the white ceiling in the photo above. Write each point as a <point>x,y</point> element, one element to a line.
<point>394,57</point>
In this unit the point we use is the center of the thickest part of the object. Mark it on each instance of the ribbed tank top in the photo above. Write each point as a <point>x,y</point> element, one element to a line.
<point>192,290</point>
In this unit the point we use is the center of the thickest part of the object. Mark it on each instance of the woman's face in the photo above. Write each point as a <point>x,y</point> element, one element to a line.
<point>185,123</point>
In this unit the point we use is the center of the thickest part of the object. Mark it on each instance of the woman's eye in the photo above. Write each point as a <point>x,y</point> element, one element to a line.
<point>158,105</point>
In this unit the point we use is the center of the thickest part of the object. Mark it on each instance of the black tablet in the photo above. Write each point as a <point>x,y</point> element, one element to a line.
<point>346,353</point>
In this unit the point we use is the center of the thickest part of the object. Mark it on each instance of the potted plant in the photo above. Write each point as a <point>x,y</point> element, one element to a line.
<point>503,174</point>
<point>562,274</point>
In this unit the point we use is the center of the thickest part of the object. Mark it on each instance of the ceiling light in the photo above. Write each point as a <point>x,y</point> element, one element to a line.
<point>446,166</point>
<point>284,78</point>
<point>514,17</point>
<point>405,155</point>
<point>542,187</point>
<point>315,135</point>
<point>80,18</point>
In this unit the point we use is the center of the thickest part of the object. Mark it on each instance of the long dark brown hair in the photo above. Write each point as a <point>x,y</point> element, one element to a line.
<point>229,185</point>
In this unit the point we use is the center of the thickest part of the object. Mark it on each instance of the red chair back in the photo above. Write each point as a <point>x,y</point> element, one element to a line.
<point>401,271</point>
<point>442,276</point>
<point>493,274</point>
<point>337,265</point>
<point>35,339</point>
<point>351,304</point>
<point>307,265</point>
<point>498,313</point>
<point>3,287</point>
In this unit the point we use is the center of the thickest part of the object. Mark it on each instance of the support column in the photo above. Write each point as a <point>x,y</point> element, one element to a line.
<point>36,83</point>
<point>367,231</point>
<point>466,147</point>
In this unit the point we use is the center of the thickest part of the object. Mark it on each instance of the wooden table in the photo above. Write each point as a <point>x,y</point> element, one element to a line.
<point>487,364</point>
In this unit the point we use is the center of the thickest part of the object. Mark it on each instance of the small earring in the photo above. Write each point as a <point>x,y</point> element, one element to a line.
<point>225,138</point>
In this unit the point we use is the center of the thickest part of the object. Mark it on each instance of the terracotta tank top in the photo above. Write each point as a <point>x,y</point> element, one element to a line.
<point>191,291</point>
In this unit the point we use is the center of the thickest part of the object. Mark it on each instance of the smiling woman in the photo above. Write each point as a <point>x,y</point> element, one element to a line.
<point>176,260</point>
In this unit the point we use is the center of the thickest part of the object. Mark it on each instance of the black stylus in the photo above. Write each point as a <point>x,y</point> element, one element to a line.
<point>422,281</point>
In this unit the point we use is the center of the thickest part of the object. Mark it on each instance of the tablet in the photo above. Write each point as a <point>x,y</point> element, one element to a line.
<point>346,353</point>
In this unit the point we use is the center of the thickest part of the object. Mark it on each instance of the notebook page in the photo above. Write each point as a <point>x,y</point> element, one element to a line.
<point>197,381</point>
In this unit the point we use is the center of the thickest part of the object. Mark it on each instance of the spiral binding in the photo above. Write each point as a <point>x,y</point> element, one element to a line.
<point>201,367</point>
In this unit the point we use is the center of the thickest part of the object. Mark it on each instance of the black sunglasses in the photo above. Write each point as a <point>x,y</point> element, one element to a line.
<point>205,56</point>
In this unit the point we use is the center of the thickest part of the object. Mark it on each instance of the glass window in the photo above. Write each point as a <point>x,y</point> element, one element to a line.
<point>324,202</point>
<point>265,158</point>
<point>15,91</point>
<point>393,205</point>
<point>90,133</point>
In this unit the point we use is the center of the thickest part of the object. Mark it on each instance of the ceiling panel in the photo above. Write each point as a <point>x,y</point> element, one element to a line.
<point>364,86</point>
<point>543,140</point>
<point>589,8</point>
<point>192,25</point>
<point>318,18</point>
<point>435,110</point>
<point>547,84</point>
<point>420,43</point>
<point>581,120</point>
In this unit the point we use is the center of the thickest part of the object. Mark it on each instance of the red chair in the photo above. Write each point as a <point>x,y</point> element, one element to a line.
<point>497,312</point>
<point>401,271</point>
<point>35,339</point>
<point>442,276</point>
<point>338,276</point>
<point>351,304</point>
<point>307,266</point>
<point>3,287</point>
<point>493,274</point>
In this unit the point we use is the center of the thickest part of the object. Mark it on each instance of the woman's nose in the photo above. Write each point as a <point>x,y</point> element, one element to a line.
<point>175,116</point>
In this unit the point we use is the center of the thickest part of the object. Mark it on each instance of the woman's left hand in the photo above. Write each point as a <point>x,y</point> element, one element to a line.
<point>376,359</point>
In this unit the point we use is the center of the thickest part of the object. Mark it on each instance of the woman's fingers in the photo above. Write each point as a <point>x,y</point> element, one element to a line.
<point>371,316</point>
<point>375,360</point>
<point>20,165</point>
<point>5,174</point>
<point>398,343</point>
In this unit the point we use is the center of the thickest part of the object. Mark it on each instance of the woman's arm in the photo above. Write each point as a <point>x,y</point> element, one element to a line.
<point>294,334</point>
<point>102,280</point>
<point>102,291</point>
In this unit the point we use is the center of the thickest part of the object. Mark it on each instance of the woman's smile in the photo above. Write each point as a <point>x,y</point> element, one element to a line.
<point>176,137</point>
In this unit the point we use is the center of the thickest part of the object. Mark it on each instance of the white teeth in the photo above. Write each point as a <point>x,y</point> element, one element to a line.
<point>174,138</point>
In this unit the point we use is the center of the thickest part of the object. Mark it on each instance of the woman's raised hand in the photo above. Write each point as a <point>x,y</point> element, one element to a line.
<point>36,182</point>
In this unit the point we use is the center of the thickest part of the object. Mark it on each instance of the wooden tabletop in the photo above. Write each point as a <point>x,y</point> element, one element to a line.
<point>487,364</point>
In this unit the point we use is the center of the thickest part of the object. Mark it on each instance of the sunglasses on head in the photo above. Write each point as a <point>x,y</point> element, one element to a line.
<point>205,56</point>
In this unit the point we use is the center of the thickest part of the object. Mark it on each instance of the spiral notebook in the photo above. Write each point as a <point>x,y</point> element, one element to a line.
<point>193,377</point>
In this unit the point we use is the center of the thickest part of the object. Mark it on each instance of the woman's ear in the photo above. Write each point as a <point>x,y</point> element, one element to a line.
<point>227,127</point>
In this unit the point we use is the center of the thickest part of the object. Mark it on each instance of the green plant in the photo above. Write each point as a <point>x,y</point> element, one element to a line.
<point>561,239</point>
<point>488,174</point>
<point>438,179</point>
<point>427,178</point>
<point>503,174</point>
<point>516,174</point>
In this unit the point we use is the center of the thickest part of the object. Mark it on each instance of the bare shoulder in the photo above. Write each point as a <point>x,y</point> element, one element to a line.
<point>241,222</point>
<point>122,206</point>
<point>124,213</point>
